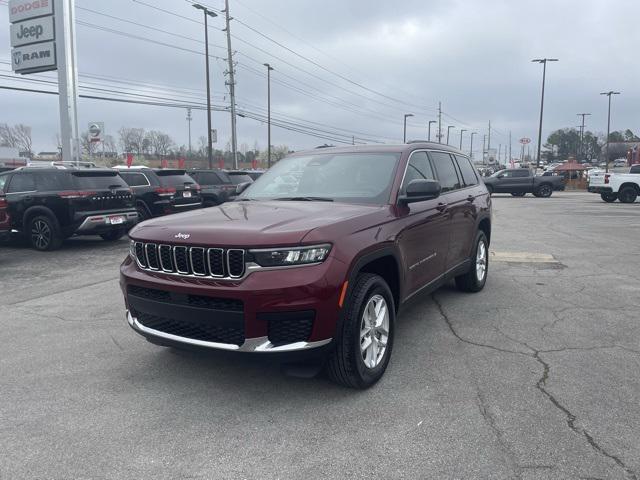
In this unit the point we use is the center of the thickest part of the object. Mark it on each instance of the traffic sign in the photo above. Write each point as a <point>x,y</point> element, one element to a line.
<point>525,140</point>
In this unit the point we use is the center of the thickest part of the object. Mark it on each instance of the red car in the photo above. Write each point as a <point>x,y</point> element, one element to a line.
<point>5,220</point>
<point>316,257</point>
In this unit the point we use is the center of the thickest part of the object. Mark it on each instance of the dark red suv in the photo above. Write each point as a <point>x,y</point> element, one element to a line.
<point>316,256</point>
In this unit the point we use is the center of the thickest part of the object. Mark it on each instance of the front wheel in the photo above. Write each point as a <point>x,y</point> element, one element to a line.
<point>609,197</point>
<point>365,336</point>
<point>544,191</point>
<point>476,277</point>
<point>627,195</point>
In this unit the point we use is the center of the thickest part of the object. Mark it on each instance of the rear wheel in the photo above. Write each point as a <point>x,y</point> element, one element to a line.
<point>476,277</point>
<point>627,195</point>
<point>490,189</point>
<point>518,194</point>
<point>113,235</point>
<point>365,337</point>
<point>544,191</point>
<point>609,197</point>
<point>44,233</point>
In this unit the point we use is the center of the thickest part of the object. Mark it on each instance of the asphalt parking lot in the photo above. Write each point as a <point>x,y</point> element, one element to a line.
<point>536,377</point>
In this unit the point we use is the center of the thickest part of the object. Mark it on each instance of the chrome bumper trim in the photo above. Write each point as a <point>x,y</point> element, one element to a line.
<point>256,345</point>
<point>187,205</point>
<point>103,219</point>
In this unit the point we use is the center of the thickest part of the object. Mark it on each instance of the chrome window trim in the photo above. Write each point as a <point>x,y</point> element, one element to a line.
<point>427,150</point>
<point>193,270</point>
<point>137,173</point>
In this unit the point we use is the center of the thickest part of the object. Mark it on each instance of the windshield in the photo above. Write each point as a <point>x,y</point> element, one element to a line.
<point>175,178</point>
<point>346,177</point>
<point>499,172</point>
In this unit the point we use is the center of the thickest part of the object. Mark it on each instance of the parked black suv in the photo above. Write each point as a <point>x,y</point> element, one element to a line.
<point>238,177</point>
<point>215,186</point>
<point>50,204</point>
<point>161,191</point>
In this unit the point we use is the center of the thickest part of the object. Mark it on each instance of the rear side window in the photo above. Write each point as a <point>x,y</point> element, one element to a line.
<point>208,178</point>
<point>135,179</point>
<point>634,169</point>
<point>419,168</point>
<point>3,182</point>
<point>22,182</point>
<point>99,181</point>
<point>53,181</point>
<point>468,172</point>
<point>520,173</point>
<point>446,170</point>
<point>240,178</point>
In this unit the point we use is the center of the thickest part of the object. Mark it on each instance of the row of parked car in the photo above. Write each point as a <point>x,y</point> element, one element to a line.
<point>47,204</point>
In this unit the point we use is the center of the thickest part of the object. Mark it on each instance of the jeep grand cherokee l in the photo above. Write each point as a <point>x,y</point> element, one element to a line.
<point>323,267</point>
<point>48,205</point>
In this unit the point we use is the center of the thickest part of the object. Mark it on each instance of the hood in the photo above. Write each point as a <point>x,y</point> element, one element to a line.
<point>249,224</point>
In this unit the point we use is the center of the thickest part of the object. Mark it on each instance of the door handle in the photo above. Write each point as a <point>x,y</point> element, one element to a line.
<point>441,207</point>
<point>471,198</point>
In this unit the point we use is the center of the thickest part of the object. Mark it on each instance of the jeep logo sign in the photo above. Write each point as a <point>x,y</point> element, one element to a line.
<point>26,9</point>
<point>32,31</point>
<point>38,57</point>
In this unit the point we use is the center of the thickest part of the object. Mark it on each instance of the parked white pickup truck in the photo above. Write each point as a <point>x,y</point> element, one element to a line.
<point>616,186</point>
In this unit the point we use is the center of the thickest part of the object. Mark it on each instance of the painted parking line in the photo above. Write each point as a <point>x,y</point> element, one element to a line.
<point>522,257</point>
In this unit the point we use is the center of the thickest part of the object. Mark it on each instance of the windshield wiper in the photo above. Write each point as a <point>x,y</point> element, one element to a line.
<point>306,199</point>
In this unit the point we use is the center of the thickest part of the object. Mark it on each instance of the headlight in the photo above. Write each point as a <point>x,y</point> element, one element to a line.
<point>282,257</point>
<point>132,249</point>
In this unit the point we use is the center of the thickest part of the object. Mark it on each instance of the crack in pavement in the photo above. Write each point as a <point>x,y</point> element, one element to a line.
<point>541,385</point>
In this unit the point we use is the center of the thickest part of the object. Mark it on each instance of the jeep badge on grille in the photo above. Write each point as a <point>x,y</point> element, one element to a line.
<point>182,236</point>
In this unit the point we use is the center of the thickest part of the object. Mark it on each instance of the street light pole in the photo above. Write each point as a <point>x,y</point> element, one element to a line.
<point>269,68</point>
<point>404,136</point>
<point>207,13</point>
<point>608,94</point>
<point>430,122</point>
<point>461,132</point>
<point>543,61</point>
<point>471,146</point>
<point>581,148</point>
<point>449,131</point>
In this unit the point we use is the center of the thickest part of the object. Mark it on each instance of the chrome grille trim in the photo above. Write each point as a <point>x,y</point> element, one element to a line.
<point>211,267</point>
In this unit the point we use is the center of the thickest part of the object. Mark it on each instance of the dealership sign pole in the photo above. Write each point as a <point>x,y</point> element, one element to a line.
<point>43,39</point>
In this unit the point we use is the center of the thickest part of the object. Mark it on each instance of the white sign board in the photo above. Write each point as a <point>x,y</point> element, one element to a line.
<point>34,58</point>
<point>25,9</point>
<point>32,31</point>
<point>95,131</point>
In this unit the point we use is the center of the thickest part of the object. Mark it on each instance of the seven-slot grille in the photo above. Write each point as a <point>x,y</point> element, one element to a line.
<point>196,261</point>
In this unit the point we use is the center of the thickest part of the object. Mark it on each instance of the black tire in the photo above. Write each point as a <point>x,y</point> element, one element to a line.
<point>609,197</point>
<point>143,212</point>
<point>113,235</point>
<point>470,281</point>
<point>544,191</point>
<point>43,233</point>
<point>627,194</point>
<point>518,194</point>
<point>490,190</point>
<point>345,364</point>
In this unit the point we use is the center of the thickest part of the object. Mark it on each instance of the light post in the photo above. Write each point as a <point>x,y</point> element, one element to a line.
<point>404,136</point>
<point>543,61</point>
<point>207,13</point>
<point>471,146</point>
<point>430,122</point>
<point>448,132</point>
<point>461,132</point>
<point>269,69</point>
<point>608,94</point>
<point>581,148</point>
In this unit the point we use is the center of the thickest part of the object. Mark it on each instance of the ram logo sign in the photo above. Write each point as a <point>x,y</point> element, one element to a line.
<point>34,58</point>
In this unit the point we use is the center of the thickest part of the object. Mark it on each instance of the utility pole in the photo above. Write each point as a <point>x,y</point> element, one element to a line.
<point>269,69</point>
<point>499,151</point>
<point>510,157</point>
<point>430,122</point>
<point>189,118</point>
<point>232,86</point>
<point>471,145</point>
<point>439,122</point>
<point>449,131</point>
<point>608,94</point>
<point>461,132</point>
<point>484,148</point>
<point>404,135</point>
<point>543,61</point>
<point>489,137</point>
<point>581,149</point>
<point>207,13</point>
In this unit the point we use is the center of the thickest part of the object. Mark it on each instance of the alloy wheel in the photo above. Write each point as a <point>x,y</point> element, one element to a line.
<point>481,261</point>
<point>374,331</point>
<point>41,234</point>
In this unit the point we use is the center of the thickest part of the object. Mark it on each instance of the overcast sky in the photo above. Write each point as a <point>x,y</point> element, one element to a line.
<point>373,60</point>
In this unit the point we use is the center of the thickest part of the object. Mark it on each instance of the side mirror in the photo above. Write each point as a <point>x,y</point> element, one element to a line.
<point>420,190</point>
<point>242,187</point>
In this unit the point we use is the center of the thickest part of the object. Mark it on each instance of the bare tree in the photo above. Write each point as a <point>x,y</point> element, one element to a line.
<point>18,136</point>
<point>161,143</point>
<point>132,140</point>
<point>109,144</point>
<point>87,145</point>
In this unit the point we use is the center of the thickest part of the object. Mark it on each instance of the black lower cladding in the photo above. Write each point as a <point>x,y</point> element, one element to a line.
<point>288,327</point>
<point>196,317</point>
